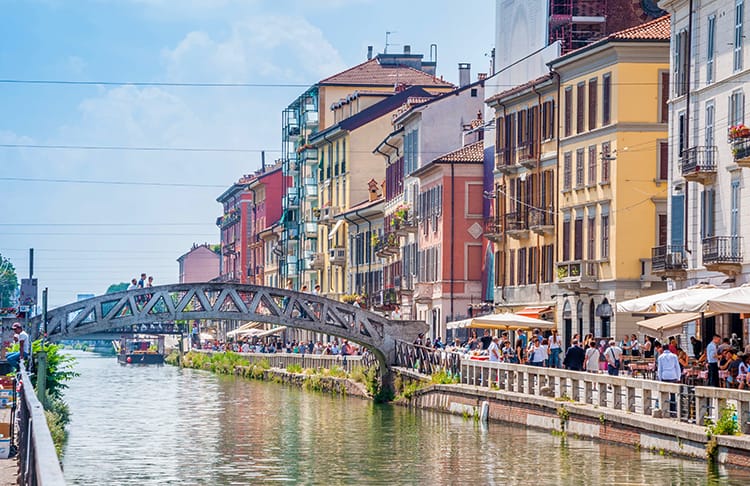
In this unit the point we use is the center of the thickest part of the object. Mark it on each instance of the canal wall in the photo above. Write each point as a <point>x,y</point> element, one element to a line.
<point>314,382</point>
<point>659,435</point>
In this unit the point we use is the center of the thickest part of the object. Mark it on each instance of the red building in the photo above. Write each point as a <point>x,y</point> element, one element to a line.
<point>234,225</point>
<point>266,188</point>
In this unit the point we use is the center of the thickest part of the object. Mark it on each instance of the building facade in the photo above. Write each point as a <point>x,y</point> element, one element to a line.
<point>200,264</point>
<point>234,227</point>
<point>266,188</point>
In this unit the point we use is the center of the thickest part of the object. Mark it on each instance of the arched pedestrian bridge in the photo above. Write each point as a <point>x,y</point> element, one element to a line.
<point>154,306</point>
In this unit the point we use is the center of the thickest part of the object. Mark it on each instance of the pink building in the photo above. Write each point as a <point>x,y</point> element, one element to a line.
<point>266,189</point>
<point>234,226</point>
<point>449,257</point>
<point>200,264</point>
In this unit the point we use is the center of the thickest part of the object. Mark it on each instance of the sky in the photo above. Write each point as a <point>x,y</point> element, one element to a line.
<point>97,217</point>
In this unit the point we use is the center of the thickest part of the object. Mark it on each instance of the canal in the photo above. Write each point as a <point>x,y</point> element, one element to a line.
<point>162,425</point>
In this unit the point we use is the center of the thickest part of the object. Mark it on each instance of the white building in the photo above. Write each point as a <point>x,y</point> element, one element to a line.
<point>705,236</point>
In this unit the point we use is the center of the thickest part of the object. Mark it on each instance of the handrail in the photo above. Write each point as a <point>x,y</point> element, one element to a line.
<point>38,459</point>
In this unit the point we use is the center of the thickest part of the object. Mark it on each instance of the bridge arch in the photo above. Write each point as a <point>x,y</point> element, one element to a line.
<point>177,302</point>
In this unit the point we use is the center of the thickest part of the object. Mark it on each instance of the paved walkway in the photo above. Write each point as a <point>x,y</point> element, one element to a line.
<point>8,471</point>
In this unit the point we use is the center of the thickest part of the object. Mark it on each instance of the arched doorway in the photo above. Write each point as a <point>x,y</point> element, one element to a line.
<point>592,317</point>
<point>604,312</point>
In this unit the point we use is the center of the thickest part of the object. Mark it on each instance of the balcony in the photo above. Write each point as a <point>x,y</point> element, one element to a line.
<point>699,164</point>
<point>741,151</point>
<point>317,261</point>
<point>327,214</point>
<point>669,261</point>
<point>423,292</point>
<point>388,246</point>
<point>337,256</point>
<point>526,155</point>
<point>542,221</point>
<point>516,225</point>
<point>723,254</point>
<point>228,249</point>
<point>493,229</point>
<point>310,230</point>
<point>404,226</point>
<point>231,217</point>
<point>578,274</point>
<point>504,162</point>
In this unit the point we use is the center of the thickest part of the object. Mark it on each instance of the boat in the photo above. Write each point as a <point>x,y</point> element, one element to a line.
<point>139,349</point>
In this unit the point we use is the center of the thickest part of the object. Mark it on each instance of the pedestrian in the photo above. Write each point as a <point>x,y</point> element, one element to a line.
<point>142,281</point>
<point>24,346</point>
<point>712,358</point>
<point>591,360</point>
<point>396,314</point>
<point>486,340</point>
<point>316,289</point>
<point>555,348</point>
<point>133,284</point>
<point>150,282</point>
<point>697,346</point>
<point>574,357</point>
<point>613,355</point>
<point>668,366</point>
<point>494,350</point>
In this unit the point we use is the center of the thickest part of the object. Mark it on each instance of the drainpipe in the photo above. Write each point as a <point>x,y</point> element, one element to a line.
<point>538,148</point>
<point>453,233</point>
<point>687,122</point>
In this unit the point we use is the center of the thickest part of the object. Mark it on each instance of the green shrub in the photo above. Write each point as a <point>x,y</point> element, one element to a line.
<point>294,368</point>
<point>726,425</point>
<point>443,377</point>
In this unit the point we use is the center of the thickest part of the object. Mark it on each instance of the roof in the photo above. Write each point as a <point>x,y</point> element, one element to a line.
<point>419,104</point>
<point>373,112</point>
<point>473,152</point>
<point>519,89</point>
<point>364,205</point>
<point>657,30</point>
<point>373,73</point>
<point>197,248</point>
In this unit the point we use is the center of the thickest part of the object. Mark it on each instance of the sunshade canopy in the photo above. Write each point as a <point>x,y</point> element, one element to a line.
<point>648,303</point>
<point>735,301</point>
<point>660,325</point>
<point>504,321</point>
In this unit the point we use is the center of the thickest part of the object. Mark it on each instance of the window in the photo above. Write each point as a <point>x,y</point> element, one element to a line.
<point>681,134</point>
<point>579,168</point>
<point>708,206</point>
<point>592,165</point>
<point>499,137</point>
<point>580,107</point>
<point>522,266</point>
<point>592,103</point>
<point>605,162</point>
<point>591,235</point>
<point>533,264</point>
<point>411,148</point>
<point>681,63</point>
<point>548,120</point>
<point>662,161</point>
<point>606,99</point>
<point>710,49</point>
<point>710,118</point>
<point>512,268</point>
<point>739,8</point>
<point>605,236</point>
<point>566,239</point>
<point>736,108</point>
<point>678,221</point>
<point>578,237</point>
<point>734,219</point>
<point>664,96</point>
<point>661,230</point>
<point>568,111</point>
<point>567,161</point>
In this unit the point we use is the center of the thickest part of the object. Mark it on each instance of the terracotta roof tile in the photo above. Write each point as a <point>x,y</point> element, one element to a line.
<point>372,73</point>
<point>471,153</point>
<point>657,29</point>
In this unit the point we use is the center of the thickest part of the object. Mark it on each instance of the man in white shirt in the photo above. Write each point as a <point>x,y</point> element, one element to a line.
<point>24,346</point>
<point>668,366</point>
<point>613,355</point>
<point>494,349</point>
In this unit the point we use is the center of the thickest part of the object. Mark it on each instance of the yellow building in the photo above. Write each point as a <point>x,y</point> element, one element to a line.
<point>523,224</point>
<point>611,176</point>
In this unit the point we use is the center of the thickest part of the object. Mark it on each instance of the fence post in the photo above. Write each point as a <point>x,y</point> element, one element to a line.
<point>41,376</point>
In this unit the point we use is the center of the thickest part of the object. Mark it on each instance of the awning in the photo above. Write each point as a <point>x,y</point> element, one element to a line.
<point>335,228</point>
<point>535,312</point>
<point>736,301</point>
<point>245,329</point>
<point>269,332</point>
<point>504,321</point>
<point>669,321</point>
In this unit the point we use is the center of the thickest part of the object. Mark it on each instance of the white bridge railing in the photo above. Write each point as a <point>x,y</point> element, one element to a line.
<point>312,361</point>
<point>691,404</point>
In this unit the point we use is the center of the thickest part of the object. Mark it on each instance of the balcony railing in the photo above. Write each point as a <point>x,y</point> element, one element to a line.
<point>541,220</point>
<point>504,160</point>
<point>326,214</point>
<point>576,271</point>
<point>668,258</point>
<point>741,151</point>
<point>699,164</point>
<point>722,253</point>
<point>526,155</point>
<point>229,219</point>
<point>337,255</point>
<point>317,261</point>
<point>516,224</point>
<point>388,246</point>
<point>493,229</point>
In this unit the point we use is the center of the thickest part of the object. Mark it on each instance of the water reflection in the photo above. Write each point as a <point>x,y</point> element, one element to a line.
<point>162,425</point>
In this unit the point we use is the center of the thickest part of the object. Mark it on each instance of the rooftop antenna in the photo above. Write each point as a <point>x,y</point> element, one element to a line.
<point>387,37</point>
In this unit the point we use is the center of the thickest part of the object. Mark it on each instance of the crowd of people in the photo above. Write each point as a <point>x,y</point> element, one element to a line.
<point>139,283</point>
<point>723,362</point>
<point>272,346</point>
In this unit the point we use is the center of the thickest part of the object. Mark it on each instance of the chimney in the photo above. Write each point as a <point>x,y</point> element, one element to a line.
<point>369,53</point>
<point>407,49</point>
<point>481,76</point>
<point>464,74</point>
<point>373,187</point>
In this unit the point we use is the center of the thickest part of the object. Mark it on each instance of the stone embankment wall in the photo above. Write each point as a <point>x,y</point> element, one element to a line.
<point>328,384</point>
<point>655,434</point>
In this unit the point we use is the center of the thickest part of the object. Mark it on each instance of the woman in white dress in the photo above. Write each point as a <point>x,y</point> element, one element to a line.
<point>591,362</point>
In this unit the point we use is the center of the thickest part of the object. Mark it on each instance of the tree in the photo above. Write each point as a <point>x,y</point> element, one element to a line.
<point>118,287</point>
<point>8,283</point>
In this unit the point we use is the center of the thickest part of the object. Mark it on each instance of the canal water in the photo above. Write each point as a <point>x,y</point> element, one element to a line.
<point>161,425</point>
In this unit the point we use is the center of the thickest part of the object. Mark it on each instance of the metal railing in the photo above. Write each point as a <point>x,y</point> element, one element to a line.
<point>668,257</point>
<point>691,404</point>
<point>722,249</point>
<point>39,464</point>
<point>426,360</point>
<point>698,160</point>
<point>516,221</point>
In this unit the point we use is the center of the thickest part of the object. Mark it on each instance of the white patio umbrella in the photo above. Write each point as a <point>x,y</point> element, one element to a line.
<point>648,303</point>
<point>694,301</point>
<point>734,301</point>
<point>503,321</point>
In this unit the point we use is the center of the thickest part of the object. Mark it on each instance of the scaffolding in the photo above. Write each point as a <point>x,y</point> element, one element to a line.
<point>577,23</point>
